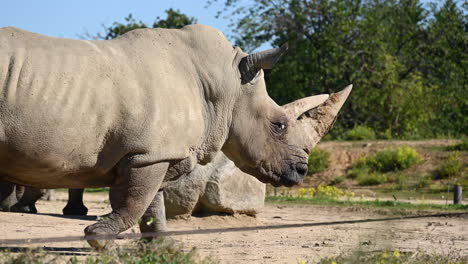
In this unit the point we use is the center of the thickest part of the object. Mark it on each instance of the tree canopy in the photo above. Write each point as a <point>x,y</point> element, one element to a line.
<point>407,61</point>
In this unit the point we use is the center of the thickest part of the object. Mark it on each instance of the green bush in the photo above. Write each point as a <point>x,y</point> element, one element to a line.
<point>462,146</point>
<point>450,167</point>
<point>368,170</point>
<point>423,181</point>
<point>391,159</point>
<point>337,180</point>
<point>319,160</point>
<point>360,133</point>
<point>366,178</point>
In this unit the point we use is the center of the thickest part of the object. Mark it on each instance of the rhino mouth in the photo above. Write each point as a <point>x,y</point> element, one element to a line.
<point>292,174</point>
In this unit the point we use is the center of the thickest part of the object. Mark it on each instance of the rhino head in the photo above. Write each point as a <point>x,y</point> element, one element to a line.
<point>272,142</point>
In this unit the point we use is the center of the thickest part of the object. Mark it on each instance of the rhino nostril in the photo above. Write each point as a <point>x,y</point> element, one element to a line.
<point>301,169</point>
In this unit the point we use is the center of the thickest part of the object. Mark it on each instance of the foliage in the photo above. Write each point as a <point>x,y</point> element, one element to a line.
<point>155,252</point>
<point>390,160</point>
<point>450,167</point>
<point>365,177</point>
<point>324,192</point>
<point>394,257</point>
<point>368,170</point>
<point>337,180</point>
<point>360,133</point>
<point>422,182</point>
<point>408,61</point>
<point>319,160</point>
<point>175,19</point>
<point>461,146</point>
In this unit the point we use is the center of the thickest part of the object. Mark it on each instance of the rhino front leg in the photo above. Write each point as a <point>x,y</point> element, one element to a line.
<point>154,218</point>
<point>7,195</point>
<point>27,202</point>
<point>75,205</point>
<point>134,189</point>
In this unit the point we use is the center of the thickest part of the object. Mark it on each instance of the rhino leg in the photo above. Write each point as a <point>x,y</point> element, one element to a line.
<point>154,218</point>
<point>75,204</point>
<point>133,191</point>
<point>7,195</point>
<point>19,191</point>
<point>27,202</point>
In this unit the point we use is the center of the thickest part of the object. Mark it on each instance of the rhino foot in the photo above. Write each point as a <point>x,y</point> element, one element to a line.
<point>28,208</point>
<point>75,204</point>
<point>100,228</point>
<point>154,218</point>
<point>75,210</point>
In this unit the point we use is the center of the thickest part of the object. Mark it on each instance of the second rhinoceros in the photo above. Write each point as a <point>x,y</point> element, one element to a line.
<point>136,112</point>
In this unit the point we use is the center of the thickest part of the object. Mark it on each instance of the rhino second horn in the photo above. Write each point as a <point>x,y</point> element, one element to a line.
<point>251,64</point>
<point>312,125</point>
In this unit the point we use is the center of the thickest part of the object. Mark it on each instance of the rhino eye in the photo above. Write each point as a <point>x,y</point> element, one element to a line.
<point>279,127</point>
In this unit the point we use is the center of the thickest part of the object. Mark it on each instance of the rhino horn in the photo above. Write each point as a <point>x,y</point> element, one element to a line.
<point>251,64</point>
<point>298,107</point>
<point>316,117</point>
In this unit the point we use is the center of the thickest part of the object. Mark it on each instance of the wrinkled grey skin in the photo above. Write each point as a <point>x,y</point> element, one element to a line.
<point>136,112</point>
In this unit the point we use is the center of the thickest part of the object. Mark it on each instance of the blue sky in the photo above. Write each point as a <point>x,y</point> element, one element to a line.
<point>69,19</point>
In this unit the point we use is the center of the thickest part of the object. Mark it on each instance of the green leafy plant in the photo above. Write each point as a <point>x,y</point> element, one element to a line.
<point>391,159</point>
<point>461,146</point>
<point>368,170</point>
<point>337,180</point>
<point>359,133</point>
<point>319,160</point>
<point>450,167</point>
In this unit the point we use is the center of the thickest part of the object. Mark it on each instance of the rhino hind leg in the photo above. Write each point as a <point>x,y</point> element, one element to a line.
<point>75,205</point>
<point>27,202</point>
<point>7,195</point>
<point>133,191</point>
<point>154,218</point>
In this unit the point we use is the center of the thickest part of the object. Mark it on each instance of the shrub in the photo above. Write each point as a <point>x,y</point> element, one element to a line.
<point>372,178</point>
<point>368,170</point>
<point>423,181</point>
<point>391,159</point>
<point>319,160</point>
<point>450,167</point>
<point>462,146</point>
<point>337,180</point>
<point>360,133</point>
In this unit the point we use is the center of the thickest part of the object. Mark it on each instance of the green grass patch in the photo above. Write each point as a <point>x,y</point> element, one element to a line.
<point>319,160</point>
<point>451,167</point>
<point>359,133</point>
<point>364,203</point>
<point>370,170</point>
<point>95,190</point>
<point>394,257</point>
<point>461,146</point>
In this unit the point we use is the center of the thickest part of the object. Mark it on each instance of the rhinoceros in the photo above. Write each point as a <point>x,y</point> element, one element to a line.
<point>136,112</point>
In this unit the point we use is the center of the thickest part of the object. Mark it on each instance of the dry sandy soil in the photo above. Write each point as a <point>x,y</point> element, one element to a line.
<point>322,236</point>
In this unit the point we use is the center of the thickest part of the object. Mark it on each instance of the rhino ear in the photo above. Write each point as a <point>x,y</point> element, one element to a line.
<point>251,64</point>
<point>295,109</point>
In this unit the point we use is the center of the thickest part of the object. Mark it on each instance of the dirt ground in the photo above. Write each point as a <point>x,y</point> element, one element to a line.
<point>323,236</point>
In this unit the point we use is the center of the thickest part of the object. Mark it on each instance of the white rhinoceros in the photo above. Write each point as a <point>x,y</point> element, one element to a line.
<point>136,112</point>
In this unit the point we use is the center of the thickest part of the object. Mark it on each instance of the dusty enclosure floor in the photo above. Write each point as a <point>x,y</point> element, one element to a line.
<point>442,235</point>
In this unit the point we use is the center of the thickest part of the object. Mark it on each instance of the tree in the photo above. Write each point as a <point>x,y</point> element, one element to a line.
<point>175,19</point>
<point>378,45</point>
